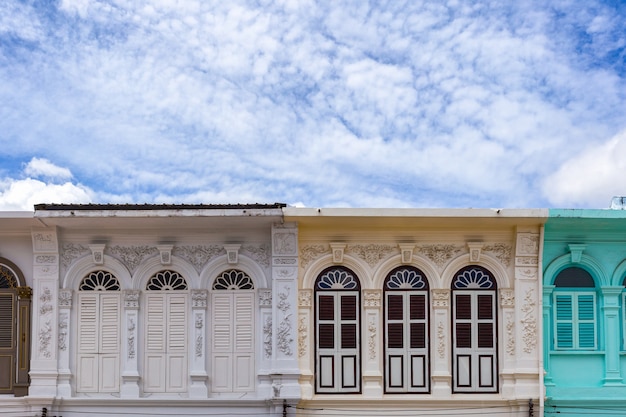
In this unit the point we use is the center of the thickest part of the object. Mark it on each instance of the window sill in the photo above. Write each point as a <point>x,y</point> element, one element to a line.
<point>577,352</point>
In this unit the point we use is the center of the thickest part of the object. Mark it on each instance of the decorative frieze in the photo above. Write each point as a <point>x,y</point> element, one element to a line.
<point>63,326</point>
<point>260,253</point>
<point>130,337</point>
<point>526,273</point>
<point>309,253</point>
<point>267,337</point>
<point>440,254</point>
<point>45,323</point>
<point>198,255</point>
<point>132,256</point>
<point>529,322</point>
<point>372,329</point>
<point>510,333</point>
<point>372,298</point>
<point>71,252</point>
<point>441,340</point>
<point>302,336</point>
<point>501,251</point>
<point>372,254</point>
<point>199,323</point>
<point>283,336</point>
<point>526,261</point>
<point>285,261</point>
<point>45,259</point>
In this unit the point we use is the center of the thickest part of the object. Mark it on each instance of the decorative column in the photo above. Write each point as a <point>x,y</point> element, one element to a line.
<point>24,297</point>
<point>547,333</point>
<point>64,388</point>
<point>265,336</point>
<point>612,342</point>
<point>198,372</point>
<point>305,341</point>
<point>441,371</point>
<point>285,370</point>
<point>130,372</point>
<point>43,371</point>
<point>507,361</point>
<point>373,328</point>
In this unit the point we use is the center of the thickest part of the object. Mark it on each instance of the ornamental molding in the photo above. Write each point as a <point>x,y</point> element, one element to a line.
<point>65,298</point>
<point>199,298</point>
<point>372,328</point>
<point>529,322</point>
<point>267,337</point>
<point>63,319</point>
<point>198,255</point>
<point>131,299</point>
<point>261,253</point>
<point>131,337</point>
<point>526,273</point>
<point>310,253</point>
<point>45,259</point>
<point>265,298</point>
<point>24,293</point>
<point>285,243</point>
<point>199,323</point>
<point>305,298</point>
<point>285,261</point>
<point>372,298</point>
<point>72,251</point>
<point>45,323</point>
<point>441,340</point>
<point>302,336</point>
<point>284,338</point>
<point>501,251</point>
<point>527,244</point>
<point>507,297</point>
<point>440,254</point>
<point>372,253</point>
<point>510,333</point>
<point>285,272</point>
<point>44,241</point>
<point>441,298</point>
<point>132,256</point>
<point>526,261</point>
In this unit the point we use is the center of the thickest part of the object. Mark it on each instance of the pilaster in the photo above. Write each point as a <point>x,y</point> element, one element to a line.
<point>441,371</point>
<point>372,325</point>
<point>198,374</point>
<point>612,331</point>
<point>64,388</point>
<point>130,371</point>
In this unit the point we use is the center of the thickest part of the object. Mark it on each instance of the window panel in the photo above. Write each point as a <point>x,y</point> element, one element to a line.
<point>348,336</point>
<point>485,307</point>
<point>485,335</point>
<point>395,335</point>
<point>418,307</point>
<point>418,335</point>
<point>326,309</point>
<point>395,307</point>
<point>464,335</point>
<point>463,307</point>
<point>327,336</point>
<point>348,307</point>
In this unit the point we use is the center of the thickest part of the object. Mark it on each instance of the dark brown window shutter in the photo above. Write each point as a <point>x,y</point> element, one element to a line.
<point>326,307</point>
<point>348,336</point>
<point>418,335</point>
<point>485,307</point>
<point>348,307</point>
<point>394,307</point>
<point>418,307</point>
<point>463,306</point>
<point>463,335</point>
<point>395,335</point>
<point>327,336</point>
<point>485,335</point>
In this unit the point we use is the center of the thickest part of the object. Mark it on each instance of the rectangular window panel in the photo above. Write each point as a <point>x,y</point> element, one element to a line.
<point>485,307</point>
<point>396,369</point>
<point>463,371</point>
<point>327,371</point>
<point>463,335</point>
<point>327,336</point>
<point>418,307</point>
<point>586,335</point>
<point>563,307</point>
<point>418,335</point>
<point>463,306</point>
<point>485,369</point>
<point>418,371</point>
<point>6,321</point>
<point>395,335</point>
<point>395,307</point>
<point>348,307</point>
<point>564,335</point>
<point>348,336</point>
<point>485,335</point>
<point>326,307</point>
<point>348,375</point>
<point>585,307</point>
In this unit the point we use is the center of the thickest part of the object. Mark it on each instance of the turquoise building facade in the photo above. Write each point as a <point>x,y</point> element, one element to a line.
<point>584,312</point>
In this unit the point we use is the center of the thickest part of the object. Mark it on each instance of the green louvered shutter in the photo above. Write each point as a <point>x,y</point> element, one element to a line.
<point>586,321</point>
<point>564,322</point>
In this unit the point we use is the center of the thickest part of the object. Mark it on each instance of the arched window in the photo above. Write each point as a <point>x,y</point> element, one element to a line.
<point>574,301</point>
<point>474,331</point>
<point>406,331</point>
<point>165,365</point>
<point>337,320</point>
<point>232,313</point>
<point>8,330</point>
<point>98,362</point>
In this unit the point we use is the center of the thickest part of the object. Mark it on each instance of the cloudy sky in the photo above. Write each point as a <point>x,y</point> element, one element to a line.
<point>314,103</point>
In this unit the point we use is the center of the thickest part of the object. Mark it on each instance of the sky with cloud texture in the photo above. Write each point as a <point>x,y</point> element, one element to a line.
<point>313,103</point>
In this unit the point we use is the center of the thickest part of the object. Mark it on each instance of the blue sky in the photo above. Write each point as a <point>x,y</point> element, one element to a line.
<point>332,104</point>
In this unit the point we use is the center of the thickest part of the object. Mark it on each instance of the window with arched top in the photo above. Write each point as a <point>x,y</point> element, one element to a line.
<point>574,305</point>
<point>337,338</point>
<point>166,305</point>
<point>233,324</point>
<point>8,329</point>
<point>474,331</point>
<point>406,331</point>
<point>99,315</point>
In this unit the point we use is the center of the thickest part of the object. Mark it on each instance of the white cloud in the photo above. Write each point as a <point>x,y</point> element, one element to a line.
<point>40,167</point>
<point>591,178</point>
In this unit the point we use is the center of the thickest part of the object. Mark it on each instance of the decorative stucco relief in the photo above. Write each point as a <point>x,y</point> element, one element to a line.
<point>501,251</point>
<point>285,243</point>
<point>71,252</point>
<point>131,299</point>
<point>44,241</point>
<point>199,298</point>
<point>132,256</point>
<point>309,253</point>
<point>285,261</point>
<point>372,253</point>
<point>199,340</point>
<point>526,261</point>
<point>260,253</point>
<point>507,297</point>
<point>65,298</point>
<point>285,272</point>
<point>267,337</point>
<point>63,319</point>
<point>265,298</point>
<point>440,254</point>
<point>198,255</point>
<point>371,343</point>
<point>441,340</point>
<point>510,333</point>
<point>441,298</point>
<point>45,259</point>
<point>372,298</point>
<point>526,273</point>
<point>131,338</point>
<point>529,322</point>
<point>305,298</point>
<point>302,336</point>
<point>284,338</point>
<point>527,244</point>
<point>45,322</point>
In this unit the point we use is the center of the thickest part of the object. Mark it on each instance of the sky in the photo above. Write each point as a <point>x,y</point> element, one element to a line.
<point>501,104</point>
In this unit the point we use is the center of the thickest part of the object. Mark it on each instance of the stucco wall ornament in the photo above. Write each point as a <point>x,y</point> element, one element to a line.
<point>132,256</point>
<point>260,254</point>
<point>309,253</point>
<point>441,298</point>
<point>372,253</point>
<point>372,298</point>
<point>440,254</point>
<point>441,340</point>
<point>131,299</point>
<point>72,251</point>
<point>510,333</point>
<point>507,297</point>
<point>526,273</point>
<point>45,259</point>
<point>63,331</point>
<point>199,342</point>
<point>304,298</point>
<point>527,244</point>
<point>265,298</point>
<point>371,343</point>
<point>529,322</point>
<point>199,298</point>
<point>131,338</point>
<point>44,241</point>
<point>198,255</point>
<point>45,320</point>
<point>302,336</point>
<point>284,338</point>
<point>285,243</point>
<point>65,298</point>
<point>526,261</point>
<point>267,337</point>
<point>501,251</point>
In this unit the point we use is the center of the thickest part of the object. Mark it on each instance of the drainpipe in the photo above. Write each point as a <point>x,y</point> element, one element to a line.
<point>542,388</point>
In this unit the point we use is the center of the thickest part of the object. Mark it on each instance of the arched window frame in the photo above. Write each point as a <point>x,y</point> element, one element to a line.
<point>337,331</point>
<point>406,316</point>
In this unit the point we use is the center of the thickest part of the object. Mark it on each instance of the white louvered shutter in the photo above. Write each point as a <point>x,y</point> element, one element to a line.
<point>87,366</point>
<point>155,343</point>
<point>109,343</point>
<point>244,342</point>
<point>176,370</point>
<point>221,313</point>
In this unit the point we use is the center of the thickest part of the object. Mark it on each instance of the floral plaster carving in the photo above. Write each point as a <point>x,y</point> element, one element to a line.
<point>440,254</point>
<point>302,335</point>
<point>501,251</point>
<point>285,261</point>
<point>131,338</point>
<point>260,254</point>
<point>199,324</point>
<point>265,298</point>
<point>285,243</point>
<point>199,298</point>
<point>371,343</point>
<point>310,253</point>
<point>45,336</point>
<point>304,298</point>
<point>527,244</point>
<point>198,255</point>
<point>45,259</point>
<point>441,340</point>
<point>132,256</point>
<point>46,302</point>
<point>267,337</point>
<point>372,254</point>
<point>285,272</point>
<point>510,327</point>
<point>131,299</point>
<point>63,331</point>
<point>507,298</point>
<point>526,273</point>
<point>72,251</point>
<point>372,298</point>
<point>529,322</point>
<point>284,338</point>
<point>441,298</point>
<point>526,261</point>
<point>65,298</point>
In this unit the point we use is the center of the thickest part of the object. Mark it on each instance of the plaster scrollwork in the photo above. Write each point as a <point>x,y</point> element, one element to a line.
<point>510,333</point>
<point>285,261</point>
<point>309,253</point>
<point>285,272</point>
<point>131,337</point>
<point>45,259</point>
<point>440,254</point>
<point>285,243</point>
<point>526,273</point>
<point>441,298</point>
<point>198,255</point>
<point>65,298</point>
<point>372,298</point>
<point>199,341</point>
<point>131,299</point>
<point>132,256</point>
<point>260,254</point>
<point>302,336</point>
<point>44,241</point>
<point>526,261</point>
<point>265,298</point>
<point>199,298</point>
<point>372,253</point>
<point>507,298</point>
<point>71,252</point>
<point>372,328</point>
<point>45,328</point>
<point>501,251</point>
<point>305,298</point>
<point>529,322</point>
<point>63,319</point>
<point>441,340</point>
<point>284,338</point>
<point>267,337</point>
<point>527,244</point>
